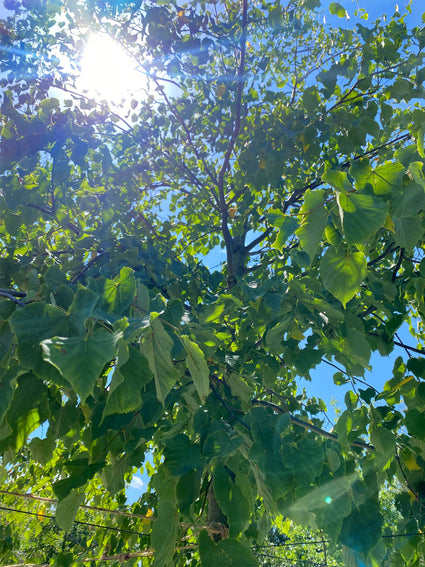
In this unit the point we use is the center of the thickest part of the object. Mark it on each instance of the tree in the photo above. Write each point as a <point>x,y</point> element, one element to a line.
<point>295,147</point>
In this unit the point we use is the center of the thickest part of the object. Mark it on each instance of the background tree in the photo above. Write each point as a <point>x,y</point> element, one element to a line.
<point>297,149</point>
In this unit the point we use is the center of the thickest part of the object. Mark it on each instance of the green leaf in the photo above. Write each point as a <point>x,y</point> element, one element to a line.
<point>416,171</point>
<point>361,216</point>
<point>33,324</point>
<point>314,218</point>
<point>81,360</point>
<point>227,553</point>
<point>125,391</point>
<point>181,456</point>
<point>361,170</point>
<point>156,347</point>
<point>187,489</point>
<point>81,471</point>
<point>387,177</point>
<point>3,474</point>
<point>198,367</point>
<point>239,387</point>
<point>27,410</point>
<point>42,449</point>
<point>337,179</point>
<point>304,459</point>
<point>219,443</point>
<point>421,141</point>
<point>120,292</point>
<point>81,309</point>
<point>231,500</point>
<point>342,272</point>
<point>409,202</point>
<point>407,231</point>
<point>361,530</point>
<point>164,533</point>
<point>415,423</point>
<point>336,9</point>
<point>66,510</point>
<point>113,475</point>
<point>384,441</point>
<point>287,226</point>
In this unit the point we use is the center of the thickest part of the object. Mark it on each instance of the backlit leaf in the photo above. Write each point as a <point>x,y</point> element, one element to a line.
<point>314,218</point>
<point>120,292</point>
<point>361,216</point>
<point>66,510</point>
<point>342,272</point>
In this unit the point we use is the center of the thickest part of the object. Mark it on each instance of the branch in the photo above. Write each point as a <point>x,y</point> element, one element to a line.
<point>50,213</point>
<point>298,193</point>
<point>415,495</point>
<point>13,296</point>
<point>228,408</point>
<point>95,103</point>
<point>400,344</point>
<point>186,131</point>
<point>260,238</point>
<point>310,426</point>
<point>124,557</point>
<point>94,508</point>
<point>226,162</point>
<point>397,266</point>
<point>391,248</point>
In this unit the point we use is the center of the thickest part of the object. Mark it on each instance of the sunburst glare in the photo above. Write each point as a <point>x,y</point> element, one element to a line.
<point>107,71</point>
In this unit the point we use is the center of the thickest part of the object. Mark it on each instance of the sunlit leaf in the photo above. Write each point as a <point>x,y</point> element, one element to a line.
<point>342,272</point>
<point>66,510</point>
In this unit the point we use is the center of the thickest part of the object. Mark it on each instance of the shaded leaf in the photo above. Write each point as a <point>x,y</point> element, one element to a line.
<point>127,381</point>
<point>227,553</point>
<point>156,347</point>
<point>164,533</point>
<point>181,456</point>
<point>81,359</point>
<point>198,367</point>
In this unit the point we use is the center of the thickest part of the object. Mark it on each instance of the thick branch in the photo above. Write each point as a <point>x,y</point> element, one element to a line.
<point>310,426</point>
<point>226,161</point>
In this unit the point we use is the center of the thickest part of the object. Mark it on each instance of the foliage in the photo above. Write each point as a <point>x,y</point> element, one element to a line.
<point>298,150</point>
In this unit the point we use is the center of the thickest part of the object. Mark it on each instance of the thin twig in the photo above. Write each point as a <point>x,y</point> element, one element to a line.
<point>228,408</point>
<point>12,298</point>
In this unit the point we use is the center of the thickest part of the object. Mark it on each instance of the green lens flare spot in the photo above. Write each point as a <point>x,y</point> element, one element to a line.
<point>328,499</point>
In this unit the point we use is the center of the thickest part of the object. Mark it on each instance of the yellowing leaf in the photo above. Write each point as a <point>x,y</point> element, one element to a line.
<point>389,224</point>
<point>232,212</point>
<point>295,332</point>
<point>220,90</point>
<point>40,513</point>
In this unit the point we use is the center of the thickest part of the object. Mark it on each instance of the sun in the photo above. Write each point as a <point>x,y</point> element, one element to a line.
<point>107,71</point>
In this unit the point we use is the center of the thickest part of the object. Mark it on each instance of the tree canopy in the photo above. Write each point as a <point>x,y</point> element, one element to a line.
<point>172,264</point>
